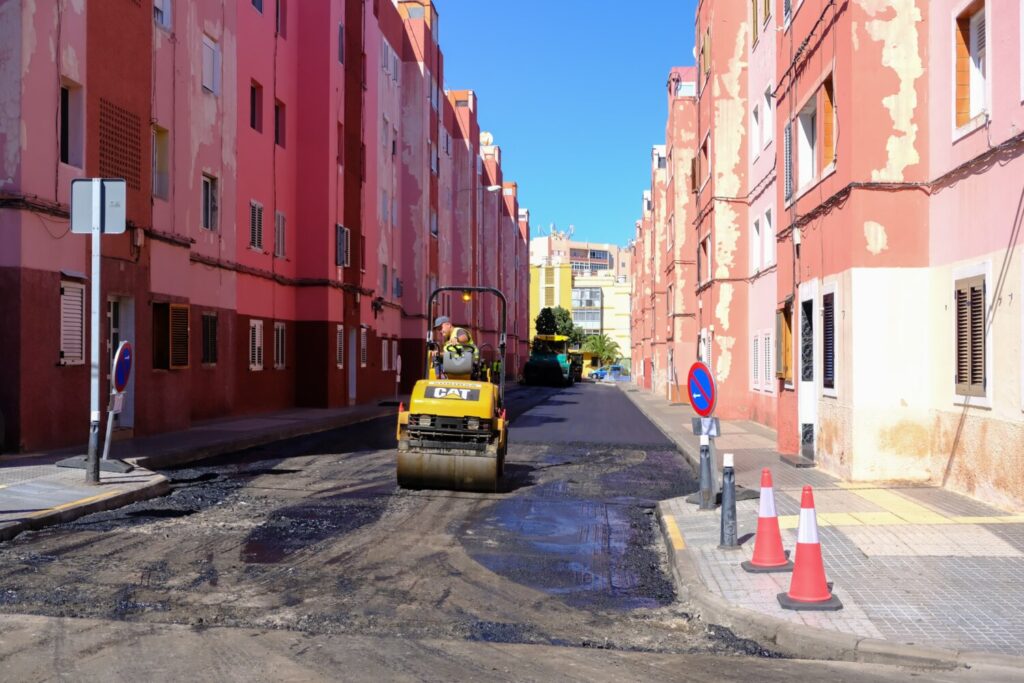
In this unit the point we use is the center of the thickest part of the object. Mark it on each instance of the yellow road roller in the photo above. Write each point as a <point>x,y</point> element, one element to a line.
<point>454,433</point>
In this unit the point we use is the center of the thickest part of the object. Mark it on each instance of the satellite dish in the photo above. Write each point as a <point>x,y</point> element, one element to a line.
<point>486,139</point>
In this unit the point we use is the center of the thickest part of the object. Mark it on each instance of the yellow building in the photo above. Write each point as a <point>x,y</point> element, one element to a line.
<point>550,286</point>
<point>601,305</point>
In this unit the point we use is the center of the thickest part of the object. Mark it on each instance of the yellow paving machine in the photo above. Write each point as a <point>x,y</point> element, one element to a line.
<point>454,433</point>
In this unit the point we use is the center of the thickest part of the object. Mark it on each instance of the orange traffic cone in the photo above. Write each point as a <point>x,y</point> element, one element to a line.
<point>808,589</point>
<point>768,553</point>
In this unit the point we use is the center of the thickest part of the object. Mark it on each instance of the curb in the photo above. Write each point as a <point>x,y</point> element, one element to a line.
<point>187,455</point>
<point>159,487</point>
<point>797,640</point>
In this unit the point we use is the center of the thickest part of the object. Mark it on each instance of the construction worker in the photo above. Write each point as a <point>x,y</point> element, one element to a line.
<point>457,337</point>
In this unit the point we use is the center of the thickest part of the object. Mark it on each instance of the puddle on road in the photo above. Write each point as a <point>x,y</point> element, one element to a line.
<point>589,539</point>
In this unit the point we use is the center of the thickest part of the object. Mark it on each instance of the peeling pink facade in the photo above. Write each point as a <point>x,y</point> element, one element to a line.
<point>857,235</point>
<point>298,180</point>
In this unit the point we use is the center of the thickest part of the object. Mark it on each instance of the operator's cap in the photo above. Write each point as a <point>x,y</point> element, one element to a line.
<point>441,320</point>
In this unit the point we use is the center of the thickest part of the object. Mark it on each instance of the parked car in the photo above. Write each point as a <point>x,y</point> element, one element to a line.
<point>599,373</point>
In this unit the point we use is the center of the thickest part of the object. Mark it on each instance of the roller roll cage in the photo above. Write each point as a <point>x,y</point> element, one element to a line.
<point>504,323</point>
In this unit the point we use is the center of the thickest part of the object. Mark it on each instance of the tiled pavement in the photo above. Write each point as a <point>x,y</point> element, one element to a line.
<point>915,565</point>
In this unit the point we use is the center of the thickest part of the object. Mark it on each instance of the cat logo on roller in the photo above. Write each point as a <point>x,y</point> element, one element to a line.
<point>455,392</point>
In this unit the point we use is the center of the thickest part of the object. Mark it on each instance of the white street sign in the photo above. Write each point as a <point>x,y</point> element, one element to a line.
<point>114,198</point>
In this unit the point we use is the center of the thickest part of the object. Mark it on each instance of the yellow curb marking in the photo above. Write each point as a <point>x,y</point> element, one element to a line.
<point>80,501</point>
<point>673,532</point>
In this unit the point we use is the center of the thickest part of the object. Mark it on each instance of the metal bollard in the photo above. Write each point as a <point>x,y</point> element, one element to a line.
<point>707,481</point>
<point>728,536</point>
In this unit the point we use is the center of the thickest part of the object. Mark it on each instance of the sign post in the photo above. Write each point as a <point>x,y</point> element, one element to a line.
<point>97,207</point>
<point>120,374</point>
<point>703,394</point>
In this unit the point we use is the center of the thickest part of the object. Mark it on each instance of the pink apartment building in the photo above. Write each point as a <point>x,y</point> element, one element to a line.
<point>859,233</point>
<point>298,180</point>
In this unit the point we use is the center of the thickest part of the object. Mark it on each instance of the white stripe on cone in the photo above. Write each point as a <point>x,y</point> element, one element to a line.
<point>807,531</point>
<point>767,508</point>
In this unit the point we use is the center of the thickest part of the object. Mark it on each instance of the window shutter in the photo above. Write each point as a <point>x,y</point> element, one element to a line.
<point>339,346</point>
<point>829,339</point>
<point>787,152</point>
<point>780,351</point>
<point>279,234</point>
<point>72,323</point>
<point>362,347</point>
<point>756,365</point>
<point>384,354</point>
<point>970,337</point>
<point>255,344</point>
<point>767,346</point>
<point>179,314</point>
<point>978,337</point>
<point>963,340</point>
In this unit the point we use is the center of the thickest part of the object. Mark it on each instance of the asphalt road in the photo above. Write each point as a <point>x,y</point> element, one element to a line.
<point>303,561</point>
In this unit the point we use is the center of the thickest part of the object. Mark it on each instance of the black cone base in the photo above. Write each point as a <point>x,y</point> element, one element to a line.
<point>831,605</point>
<point>754,569</point>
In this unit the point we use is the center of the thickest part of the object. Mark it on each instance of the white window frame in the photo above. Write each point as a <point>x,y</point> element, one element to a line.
<point>211,65</point>
<point>161,144</point>
<point>768,237</point>
<point>339,346</point>
<point>280,349</point>
<point>362,346</point>
<point>962,273</point>
<point>807,145</point>
<point>255,345</point>
<point>755,131</point>
<point>255,225</point>
<point>72,304</point>
<point>768,117</point>
<point>755,247</point>
<point>767,362</point>
<point>209,222</point>
<point>165,19</point>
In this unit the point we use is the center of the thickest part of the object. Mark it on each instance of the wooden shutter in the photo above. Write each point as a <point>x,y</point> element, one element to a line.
<point>970,336</point>
<point>178,342</point>
<point>753,20</point>
<point>828,152</point>
<point>829,338</point>
<point>963,70</point>
<point>72,323</point>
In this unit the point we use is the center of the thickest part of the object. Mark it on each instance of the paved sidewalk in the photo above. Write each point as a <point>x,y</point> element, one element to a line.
<point>37,495</point>
<point>924,574</point>
<point>34,492</point>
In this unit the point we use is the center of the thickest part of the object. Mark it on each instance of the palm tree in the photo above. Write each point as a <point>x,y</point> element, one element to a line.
<point>603,347</point>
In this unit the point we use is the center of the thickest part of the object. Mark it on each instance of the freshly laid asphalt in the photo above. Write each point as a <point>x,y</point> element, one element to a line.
<point>303,560</point>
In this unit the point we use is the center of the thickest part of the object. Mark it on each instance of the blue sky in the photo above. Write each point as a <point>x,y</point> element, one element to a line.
<point>574,93</point>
